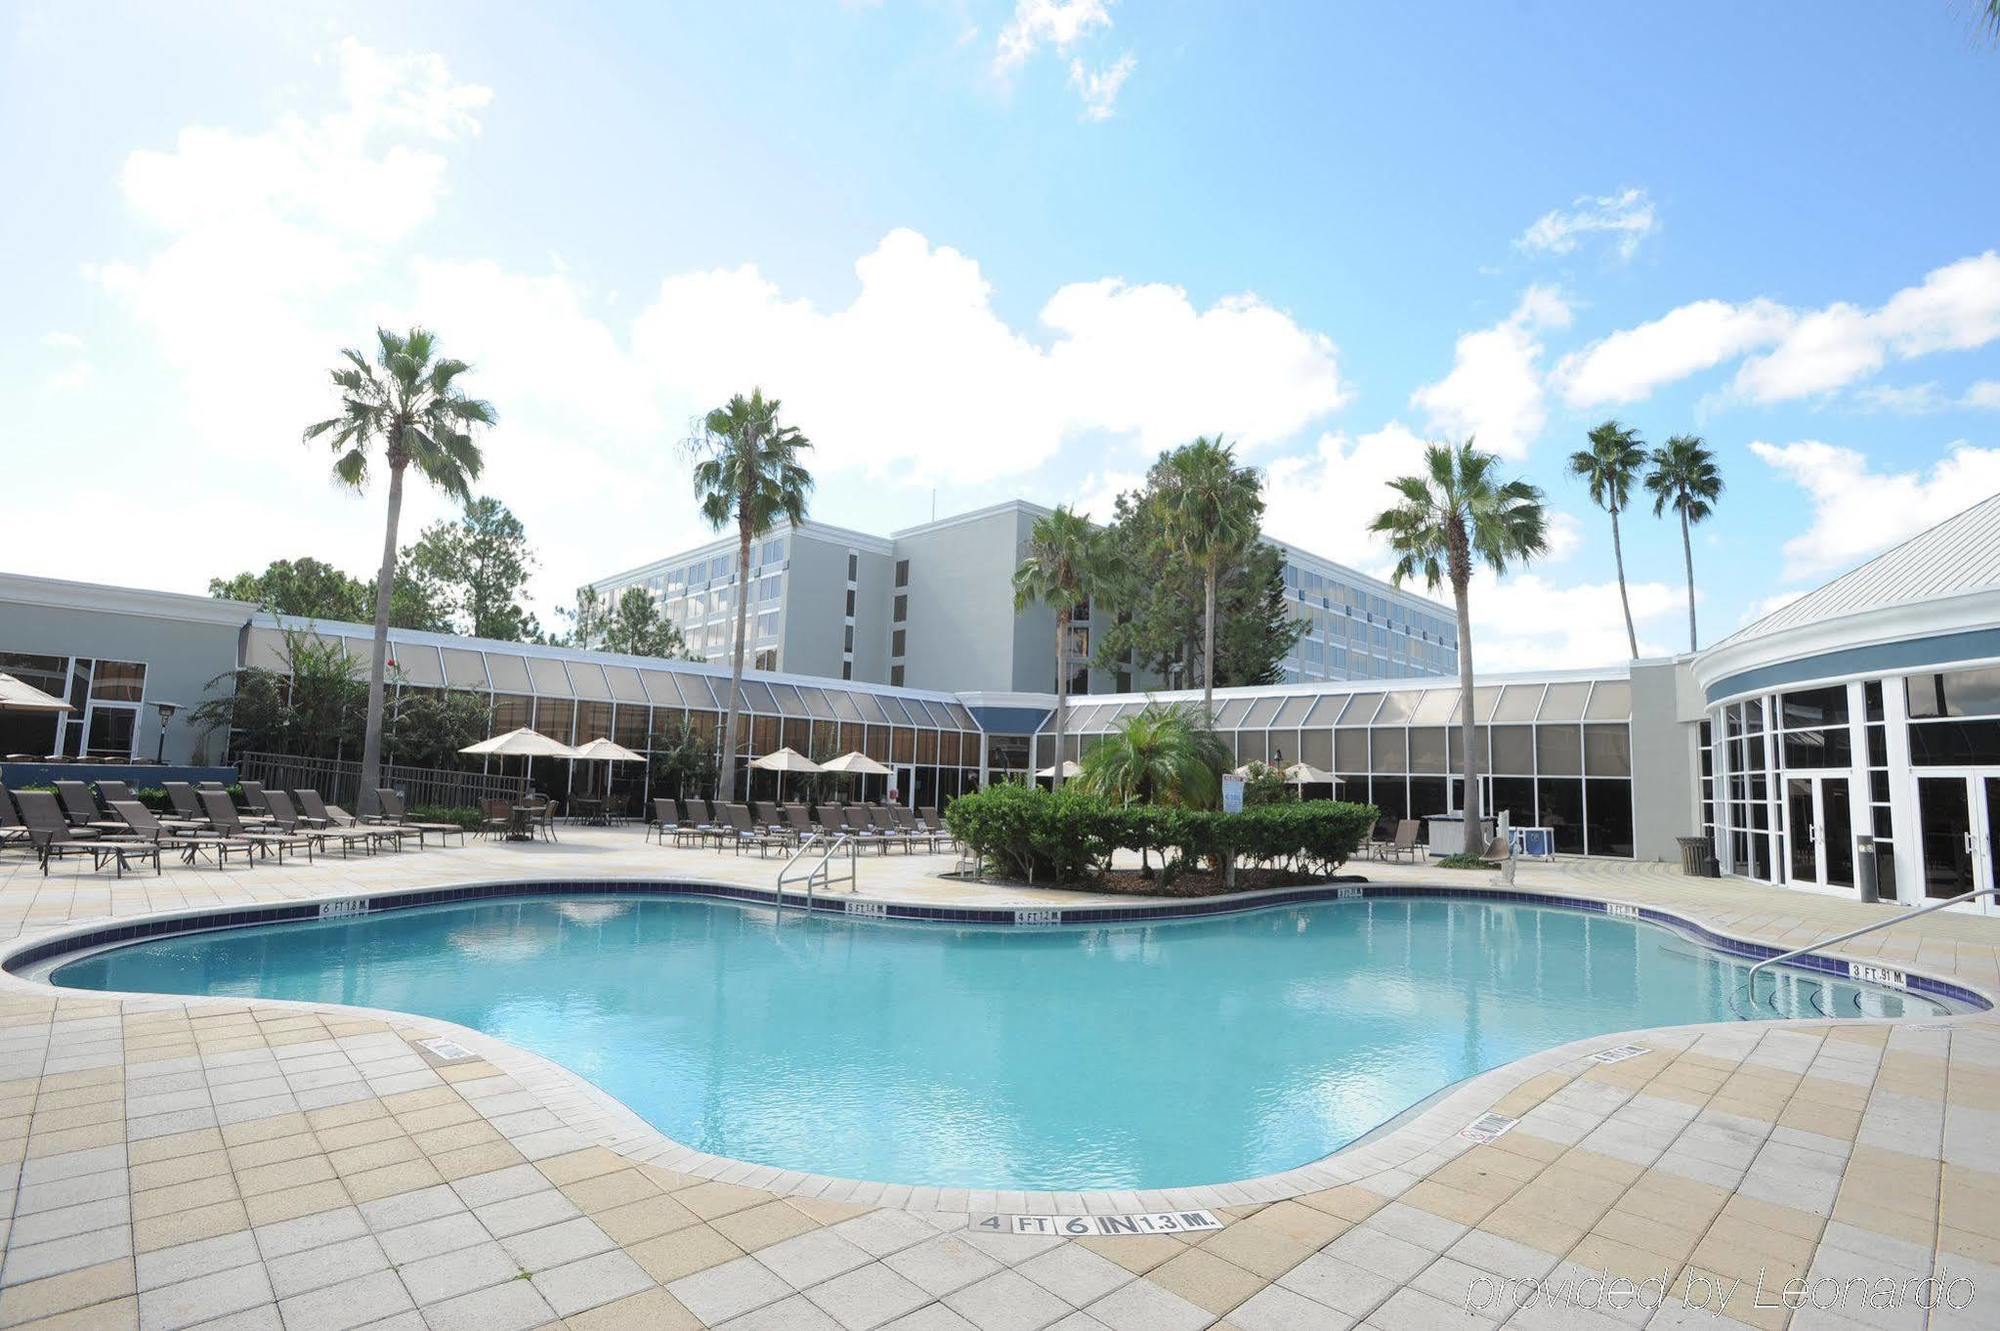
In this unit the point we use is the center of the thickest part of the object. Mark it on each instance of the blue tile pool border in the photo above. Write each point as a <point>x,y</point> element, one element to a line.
<point>159,926</point>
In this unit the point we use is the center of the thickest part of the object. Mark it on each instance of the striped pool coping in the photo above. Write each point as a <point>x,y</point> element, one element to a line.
<point>170,923</point>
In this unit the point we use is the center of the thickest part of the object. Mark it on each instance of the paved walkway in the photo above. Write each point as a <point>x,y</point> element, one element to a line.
<point>174,1163</point>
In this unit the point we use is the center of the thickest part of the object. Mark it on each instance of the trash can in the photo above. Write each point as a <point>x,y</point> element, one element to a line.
<point>1697,857</point>
<point>1864,869</point>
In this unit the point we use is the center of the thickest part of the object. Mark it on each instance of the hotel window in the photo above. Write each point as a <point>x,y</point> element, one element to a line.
<point>902,607</point>
<point>896,676</point>
<point>902,573</point>
<point>847,641</point>
<point>847,669</point>
<point>850,602</point>
<point>896,643</point>
<point>853,566</point>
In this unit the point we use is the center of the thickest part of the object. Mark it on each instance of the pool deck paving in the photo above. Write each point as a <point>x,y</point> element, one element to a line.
<point>175,1162</point>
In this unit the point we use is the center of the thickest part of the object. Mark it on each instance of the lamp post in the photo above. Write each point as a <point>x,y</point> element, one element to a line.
<point>166,711</point>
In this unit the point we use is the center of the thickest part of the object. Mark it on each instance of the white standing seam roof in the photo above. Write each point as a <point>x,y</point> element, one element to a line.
<point>1959,555</point>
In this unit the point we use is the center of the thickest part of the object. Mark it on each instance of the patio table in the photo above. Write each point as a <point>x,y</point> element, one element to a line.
<point>521,821</point>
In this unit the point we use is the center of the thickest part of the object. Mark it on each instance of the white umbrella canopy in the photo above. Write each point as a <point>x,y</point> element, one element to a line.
<point>785,760</point>
<point>521,743</point>
<point>1305,774</point>
<point>604,751</point>
<point>1069,769</point>
<point>19,696</point>
<point>854,764</point>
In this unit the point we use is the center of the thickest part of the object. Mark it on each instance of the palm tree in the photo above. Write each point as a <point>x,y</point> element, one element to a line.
<point>1165,754</point>
<point>1211,507</point>
<point>1058,567</point>
<point>409,402</point>
<point>747,468</point>
<point>1609,465</point>
<point>1684,476</point>
<point>1455,513</point>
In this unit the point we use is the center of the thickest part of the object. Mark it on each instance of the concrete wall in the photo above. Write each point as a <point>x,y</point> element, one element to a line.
<point>962,633</point>
<point>181,656</point>
<point>1665,758</point>
<point>815,602</point>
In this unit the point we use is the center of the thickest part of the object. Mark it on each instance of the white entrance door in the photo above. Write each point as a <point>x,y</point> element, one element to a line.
<point>1819,830</point>
<point>1959,818</point>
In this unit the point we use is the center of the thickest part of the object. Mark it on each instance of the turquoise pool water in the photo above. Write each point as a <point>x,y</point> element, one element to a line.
<point>1127,1056</point>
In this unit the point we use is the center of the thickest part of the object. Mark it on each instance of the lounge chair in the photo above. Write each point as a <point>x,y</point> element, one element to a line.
<point>830,821</point>
<point>393,812</point>
<point>1405,841</point>
<point>318,813</point>
<point>799,820</point>
<point>174,835</point>
<point>915,830</point>
<point>744,834</point>
<point>259,803</point>
<point>181,795</point>
<point>108,791</point>
<point>50,835</point>
<point>13,832</point>
<point>79,806</point>
<point>882,821</point>
<point>766,816</point>
<point>222,813</point>
<point>666,821</point>
<point>854,820</point>
<point>934,823</point>
<point>289,821</point>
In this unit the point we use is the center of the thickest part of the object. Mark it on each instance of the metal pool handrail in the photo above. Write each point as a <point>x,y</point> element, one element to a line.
<point>820,874</point>
<point>1856,933</point>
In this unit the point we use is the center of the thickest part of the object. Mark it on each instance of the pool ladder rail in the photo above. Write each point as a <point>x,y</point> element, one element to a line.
<point>820,873</point>
<point>1750,985</point>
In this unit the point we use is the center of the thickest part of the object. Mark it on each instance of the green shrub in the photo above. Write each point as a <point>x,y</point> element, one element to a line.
<point>461,816</point>
<point>1465,862</point>
<point>1067,836</point>
<point>154,799</point>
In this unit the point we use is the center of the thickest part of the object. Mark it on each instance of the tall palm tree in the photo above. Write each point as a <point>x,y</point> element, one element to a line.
<point>1609,466</point>
<point>409,403</point>
<point>747,468</point>
<point>1058,567</point>
<point>1684,476</point>
<point>1456,513</point>
<point>1211,507</point>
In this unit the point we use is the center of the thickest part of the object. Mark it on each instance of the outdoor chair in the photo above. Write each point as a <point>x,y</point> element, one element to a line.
<point>883,823</point>
<point>1405,841</point>
<point>854,821</point>
<point>915,829</point>
<point>666,820</point>
<point>13,832</point>
<point>79,806</point>
<point>744,834</point>
<point>320,814</point>
<point>181,795</point>
<point>496,818</point>
<point>542,817</point>
<point>766,815</point>
<point>222,812</point>
<point>393,812</point>
<point>108,791</point>
<point>934,823</point>
<point>172,834</point>
<point>50,835</point>
<point>799,821</point>
<point>289,821</point>
<point>255,799</point>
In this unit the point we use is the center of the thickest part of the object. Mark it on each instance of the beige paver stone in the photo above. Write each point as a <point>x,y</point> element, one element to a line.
<point>1205,1280</point>
<point>86,1288</point>
<point>1262,1249</point>
<point>183,1196</point>
<point>465,1161</point>
<point>578,1165</point>
<point>179,1169</point>
<point>341,1136</point>
<point>293,1173</point>
<point>761,1226</point>
<point>271,1207</point>
<point>178,1227</point>
<point>650,1217</point>
<point>264,1129</point>
<point>709,1200</point>
<point>601,1192</point>
<point>1137,1253</point>
<point>683,1252</point>
<point>1451,1203</point>
<point>824,1210</point>
<point>648,1310</point>
<point>389,1180</point>
<point>1350,1202</point>
<point>116,1315</point>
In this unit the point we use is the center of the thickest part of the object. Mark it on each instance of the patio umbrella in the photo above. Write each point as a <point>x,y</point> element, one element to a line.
<point>17,696</point>
<point>521,743</point>
<point>783,761</point>
<point>854,764</point>
<point>601,750</point>
<point>1305,774</point>
<point>1069,769</point>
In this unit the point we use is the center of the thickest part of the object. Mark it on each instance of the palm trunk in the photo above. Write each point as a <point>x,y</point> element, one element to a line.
<point>1687,552</point>
<point>1208,641</point>
<point>1062,695</point>
<point>1468,729</point>
<point>1618,554</point>
<point>736,668</point>
<point>378,665</point>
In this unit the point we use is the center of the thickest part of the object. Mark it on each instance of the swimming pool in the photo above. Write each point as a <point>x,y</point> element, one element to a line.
<point>1130,1055</point>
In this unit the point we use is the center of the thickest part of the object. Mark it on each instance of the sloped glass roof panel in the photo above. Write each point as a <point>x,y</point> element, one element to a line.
<point>550,679</point>
<point>1361,709</point>
<point>696,690</point>
<point>960,717</point>
<point>1518,702</point>
<point>1435,708</point>
<point>1261,712</point>
<point>758,695</point>
<point>1293,713</point>
<point>1564,702</point>
<point>1230,715</point>
<point>1326,709</point>
<point>816,702</point>
<point>418,664</point>
<point>464,669</point>
<point>662,688</point>
<point>509,672</point>
<point>1610,700</point>
<point>843,704</point>
<point>1397,706</point>
<point>625,685</point>
<point>788,700</point>
<point>871,710</point>
<point>587,679</point>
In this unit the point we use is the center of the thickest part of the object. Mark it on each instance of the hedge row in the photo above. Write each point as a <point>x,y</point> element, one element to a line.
<point>1068,836</point>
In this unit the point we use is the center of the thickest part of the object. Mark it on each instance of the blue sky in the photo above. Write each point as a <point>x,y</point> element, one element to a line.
<point>985,249</point>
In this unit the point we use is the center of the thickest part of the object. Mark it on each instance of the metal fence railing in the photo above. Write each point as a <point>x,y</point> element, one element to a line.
<point>339,782</point>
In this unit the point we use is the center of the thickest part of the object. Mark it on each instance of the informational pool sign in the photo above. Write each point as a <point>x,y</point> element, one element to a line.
<point>1100,1226</point>
<point>1232,794</point>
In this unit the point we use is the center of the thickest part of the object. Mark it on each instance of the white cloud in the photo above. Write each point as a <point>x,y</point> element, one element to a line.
<point>1765,605</point>
<point>1526,622</point>
<point>1904,400</point>
<point>1984,394</point>
<point>1323,501</point>
<point>1038,23</point>
<point>1804,353</point>
<point>1494,389</point>
<point>1099,88</point>
<point>56,340</point>
<point>973,397</point>
<point>1629,364</point>
<point>1858,511</point>
<point>72,370</point>
<point>1626,216</point>
<point>1097,497</point>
